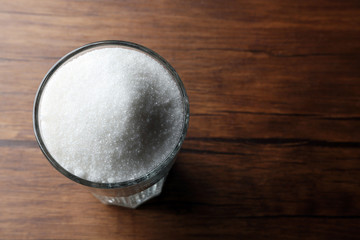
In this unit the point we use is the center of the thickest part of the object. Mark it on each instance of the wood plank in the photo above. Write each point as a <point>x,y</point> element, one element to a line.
<point>273,147</point>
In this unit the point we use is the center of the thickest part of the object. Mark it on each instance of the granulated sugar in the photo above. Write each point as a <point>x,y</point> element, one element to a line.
<point>111,114</point>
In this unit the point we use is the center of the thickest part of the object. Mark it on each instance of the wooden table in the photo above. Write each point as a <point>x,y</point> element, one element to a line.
<point>273,147</point>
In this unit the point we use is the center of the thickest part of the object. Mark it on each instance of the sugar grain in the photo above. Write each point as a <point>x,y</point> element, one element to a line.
<point>111,114</point>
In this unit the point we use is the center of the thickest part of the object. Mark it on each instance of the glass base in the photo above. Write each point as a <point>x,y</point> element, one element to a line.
<point>133,201</point>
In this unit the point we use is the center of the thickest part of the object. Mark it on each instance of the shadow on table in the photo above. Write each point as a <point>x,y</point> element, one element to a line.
<point>189,206</point>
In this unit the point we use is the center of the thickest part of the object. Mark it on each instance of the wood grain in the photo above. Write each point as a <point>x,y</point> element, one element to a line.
<point>273,147</point>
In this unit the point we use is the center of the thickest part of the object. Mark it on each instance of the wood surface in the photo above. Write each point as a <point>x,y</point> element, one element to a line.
<point>273,147</point>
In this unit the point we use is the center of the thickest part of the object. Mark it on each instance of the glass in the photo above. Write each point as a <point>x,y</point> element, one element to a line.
<point>130,193</point>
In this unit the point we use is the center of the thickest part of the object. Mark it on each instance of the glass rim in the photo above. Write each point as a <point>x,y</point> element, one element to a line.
<point>158,168</point>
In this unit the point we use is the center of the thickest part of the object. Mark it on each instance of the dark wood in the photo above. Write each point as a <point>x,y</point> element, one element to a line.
<point>273,147</point>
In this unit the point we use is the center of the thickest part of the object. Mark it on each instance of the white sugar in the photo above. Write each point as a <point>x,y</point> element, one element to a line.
<point>111,114</point>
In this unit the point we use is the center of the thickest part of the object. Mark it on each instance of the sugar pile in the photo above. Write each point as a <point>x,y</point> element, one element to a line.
<point>111,114</point>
